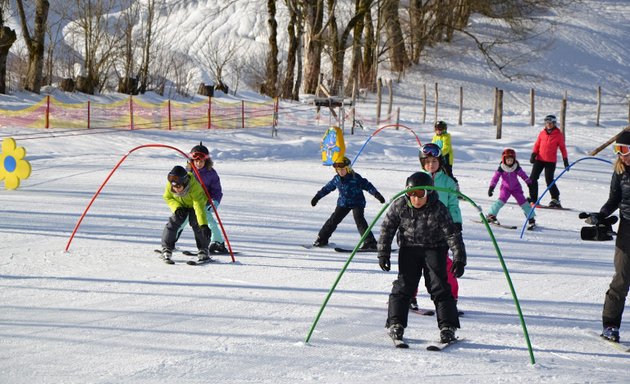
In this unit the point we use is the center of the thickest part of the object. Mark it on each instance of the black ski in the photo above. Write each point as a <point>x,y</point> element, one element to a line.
<point>423,312</point>
<point>442,346</point>
<point>496,224</point>
<point>167,261</point>
<point>197,262</point>
<point>192,253</point>
<point>348,250</point>
<point>311,246</point>
<point>399,343</point>
<point>556,208</point>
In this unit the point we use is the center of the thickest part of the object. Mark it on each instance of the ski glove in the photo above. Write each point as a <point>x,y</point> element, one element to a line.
<point>532,159</point>
<point>379,197</point>
<point>457,269</point>
<point>314,201</point>
<point>383,262</point>
<point>181,213</point>
<point>566,163</point>
<point>490,191</point>
<point>205,232</point>
<point>592,218</point>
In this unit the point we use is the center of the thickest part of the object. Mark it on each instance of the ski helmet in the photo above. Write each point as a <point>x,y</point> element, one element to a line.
<point>178,176</point>
<point>551,119</point>
<point>508,152</point>
<point>441,125</point>
<point>342,164</point>
<point>199,152</point>
<point>420,179</point>
<point>624,138</point>
<point>430,149</point>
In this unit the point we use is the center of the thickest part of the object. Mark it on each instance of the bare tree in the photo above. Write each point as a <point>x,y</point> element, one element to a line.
<point>314,18</point>
<point>127,79</point>
<point>217,55</point>
<point>270,86</point>
<point>7,38</point>
<point>34,43</point>
<point>295,32</point>
<point>398,59</point>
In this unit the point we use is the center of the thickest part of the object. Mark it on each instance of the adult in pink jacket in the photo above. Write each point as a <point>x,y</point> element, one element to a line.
<point>544,157</point>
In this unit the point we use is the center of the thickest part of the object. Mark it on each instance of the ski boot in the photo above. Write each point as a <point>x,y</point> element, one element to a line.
<point>447,335</point>
<point>555,203</point>
<point>368,246</point>
<point>217,247</point>
<point>531,224</point>
<point>396,332</point>
<point>202,256</point>
<point>320,243</point>
<point>611,333</point>
<point>492,219</point>
<point>166,256</point>
<point>413,304</point>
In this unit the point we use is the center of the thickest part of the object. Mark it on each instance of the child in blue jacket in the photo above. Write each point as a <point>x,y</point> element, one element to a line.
<point>351,186</point>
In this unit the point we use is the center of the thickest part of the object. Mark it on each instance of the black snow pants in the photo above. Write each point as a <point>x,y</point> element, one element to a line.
<point>618,289</point>
<point>170,235</point>
<point>338,215</point>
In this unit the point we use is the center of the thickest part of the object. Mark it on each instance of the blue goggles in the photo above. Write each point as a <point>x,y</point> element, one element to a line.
<point>432,149</point>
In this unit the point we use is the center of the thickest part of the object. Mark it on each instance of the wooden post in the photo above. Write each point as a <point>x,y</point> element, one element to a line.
<point>496,102</point>
<point>209,112</point>
<point>379,94</point>
<point>599,104</point>
<point>424,104</point>
<point>168,105</point>
<point>461,105</point>
<point>563,113</point>
<point>88,114</point>
<point>131,112</point>
<point>391,97</point>
<point>397,117</point>
<point>532,115</point>
<point>47,112</point>
<point>242,113</point>
<point>355,85</point>
<point>499,114</point>
<point>437,98</point>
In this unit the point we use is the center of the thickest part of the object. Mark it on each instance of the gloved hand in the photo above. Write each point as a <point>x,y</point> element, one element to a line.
<point>458,226</point>
<point>205,231</point>
<point>532,159</point>
<point>457,269</point>
<point>593,218</point>
<point>490,191</point>
<point>314,201</point>
<point>380,197</point>
<point>383,262</point>
<point>181,213</point>
<point>566,163</point>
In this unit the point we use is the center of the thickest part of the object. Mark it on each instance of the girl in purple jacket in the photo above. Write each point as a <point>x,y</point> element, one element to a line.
<point>509,171</point>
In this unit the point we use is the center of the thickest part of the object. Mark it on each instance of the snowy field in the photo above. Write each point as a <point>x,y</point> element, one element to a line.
<point>109,311</point>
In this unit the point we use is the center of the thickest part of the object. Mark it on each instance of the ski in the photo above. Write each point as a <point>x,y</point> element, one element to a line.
<point>422,312</point>
<point>496,224</point>
<point>556,208</point>
<point>623,347</point>
<point>442,346</point>
<point>348,250</point>
<point>192,253</point>
<point>311,246</point>
<point>399,343</point>
<point>167,261</point>
<point>196,262</point>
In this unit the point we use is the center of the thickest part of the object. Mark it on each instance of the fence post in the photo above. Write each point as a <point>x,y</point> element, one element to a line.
<point>461,105</point>
<point>47,111</point>
<point>391,97</point>
<point>209,112</point>
<point>88,114</point>
<point>379,94</point>
<point>131,112</point>
<point>242,113</point>
<point>274,128</point>
<point>168,105</point>
<point>437,98</point>
<point>532,117</point>
<point>599,104</point>
<point>424,104</point>
<point>397,117</point>
<point>499,114</point>
<point>496,104</point>
<point>563,113</point>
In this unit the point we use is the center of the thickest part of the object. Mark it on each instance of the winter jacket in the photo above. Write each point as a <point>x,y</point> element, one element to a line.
<point>351,188</point>
<point>442,180</point>
<point>547,144</point>
<point>509,180</point>
<point>444,141</point>
<point>192,197</point>
<point>430,226</point>
<point>619,196</point>
<point>212,182</point>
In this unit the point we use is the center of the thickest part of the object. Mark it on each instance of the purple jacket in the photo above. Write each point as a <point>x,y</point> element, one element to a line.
<point>212,182</point>
<point>510,186</point>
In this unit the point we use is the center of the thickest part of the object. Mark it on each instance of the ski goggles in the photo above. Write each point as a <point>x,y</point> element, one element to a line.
<point>432,150</point>
<point>177,181</point>
<point>199,156</point>
<point>339,165</point>
<point>419,193</point>
<point>621,149</point>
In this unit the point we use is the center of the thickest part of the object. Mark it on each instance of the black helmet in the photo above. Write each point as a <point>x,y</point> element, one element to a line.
<point>440,125</point>
<point>199,152</point>
<point>419,179</point>
<point>178,176</point>
<point>624,138</point>
<point>551,119</point>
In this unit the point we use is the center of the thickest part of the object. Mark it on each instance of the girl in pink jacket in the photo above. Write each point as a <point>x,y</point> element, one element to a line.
<point>509,171</point>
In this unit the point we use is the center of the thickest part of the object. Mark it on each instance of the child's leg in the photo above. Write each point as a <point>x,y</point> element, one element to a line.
<point>171,231</point>
<point>362,225</point>
<point>217,237</point>
<point>331,224</point>
<point>181,229</point>
<point>452,280</point>
<point>522,202</point>
<point>202,241</point>
<point>496,207</point>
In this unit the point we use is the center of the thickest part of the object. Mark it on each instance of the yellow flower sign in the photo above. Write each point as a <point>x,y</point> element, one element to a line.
<point>13,167</point>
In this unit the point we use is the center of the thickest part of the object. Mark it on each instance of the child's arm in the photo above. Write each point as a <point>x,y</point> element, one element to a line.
<point>523,175</point>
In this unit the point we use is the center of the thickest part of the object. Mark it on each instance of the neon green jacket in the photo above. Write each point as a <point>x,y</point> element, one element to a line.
<point>444,141</point>
<point>195,198</point>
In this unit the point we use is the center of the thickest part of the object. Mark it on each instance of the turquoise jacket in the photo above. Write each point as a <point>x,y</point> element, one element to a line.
<point>442,180</point>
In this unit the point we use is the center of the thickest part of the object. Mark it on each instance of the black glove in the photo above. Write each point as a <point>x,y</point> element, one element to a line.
<point>592,218</point>
<point>314,201</point>
<point>380,197</point>
<point>532,159</point>
<point>490,191</point>
<point>457,269</point>
<point>181,213</point>
<point>458,226</point>
<point>566,163</point>
<point>383,262</point>
<point>205,231</point>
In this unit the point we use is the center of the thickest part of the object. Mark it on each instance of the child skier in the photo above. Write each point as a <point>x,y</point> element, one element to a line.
<point>509,171</point>
<point>443,139</point>
<point>351,186</point>
<point>187,201</point>
<point>425,233</point>
<point>202,161</point>
<point>431,160</point>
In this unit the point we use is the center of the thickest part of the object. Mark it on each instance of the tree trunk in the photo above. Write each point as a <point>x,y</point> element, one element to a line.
<point>35,44</point>
<point>270,88</point>
<point>292,51</point>
<point>312,64</point>
<point>7,38</point>
<point>395,40</point>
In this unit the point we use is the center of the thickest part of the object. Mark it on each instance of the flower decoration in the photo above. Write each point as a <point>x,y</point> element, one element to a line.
<point>13,167</point>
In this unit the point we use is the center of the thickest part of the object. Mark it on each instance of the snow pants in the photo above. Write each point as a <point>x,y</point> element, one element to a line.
<point>413,263</point>
<point>170,232</point>
<point>337,217</point>
<point>212,224</point>
<point>550,170</point>
<point>618,290</point>
<point>452,280</point>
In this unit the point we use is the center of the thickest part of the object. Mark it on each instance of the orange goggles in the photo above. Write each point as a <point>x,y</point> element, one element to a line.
<point>199,156</point>
<point>339,165</point>
<point>419,193</point>
<point>621,149</point>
